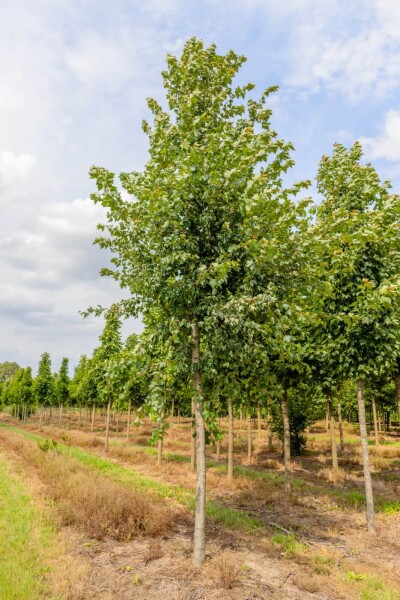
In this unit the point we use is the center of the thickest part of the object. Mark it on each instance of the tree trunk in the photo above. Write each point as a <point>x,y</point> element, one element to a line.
<point>172,414</point>
<point>286,442</point>
<point>160,451</point>
<point>397,379</point>
<point>107,426</point>
<point>339,410</point>
<point>80,416</point>
<point>93,417</point>
<point>376,431</point>
<point>128,425</point>
<point>240,419</point>
<point>230,439</point>
<point>192,444</point>
<point>335,464</point>
<point>117,426</point>
<point>179,414</point>
<point>364,448</point>
<point>259,420</point>
<point>41,417</point>
<point>60,414</point>
<point>200,510</point>
<point>249,437</point>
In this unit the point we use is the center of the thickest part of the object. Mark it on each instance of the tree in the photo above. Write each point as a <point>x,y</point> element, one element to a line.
<point>181,242</point>
<point>62,383</point>
<point>358,230</point>
<point>43,385</point>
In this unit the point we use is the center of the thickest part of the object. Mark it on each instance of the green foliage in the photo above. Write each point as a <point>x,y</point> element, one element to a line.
<point>43,385</point>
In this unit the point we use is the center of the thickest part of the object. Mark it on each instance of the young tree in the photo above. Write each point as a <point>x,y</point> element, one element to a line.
<point>182,243</point>
<point>62,384</point>
<point>357,227</point>
<point>43,385</point>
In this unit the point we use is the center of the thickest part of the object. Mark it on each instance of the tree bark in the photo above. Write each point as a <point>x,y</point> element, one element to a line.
<point>107,426</point>
<point>286,442</point>
<point>230,439</point>
<point>192,444</point>
<point>160,451</point>
<point>335,464</point>
<point>128,425</point>
<point>249,437</point>
<point>93,417</point>
<point>199,552</point>
<point>364,448</point>
<point>397,380</point>
<point>376,430</point>
<point>339,409</point>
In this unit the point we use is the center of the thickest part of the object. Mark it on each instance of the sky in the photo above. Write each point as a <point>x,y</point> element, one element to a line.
<point>74,78</point>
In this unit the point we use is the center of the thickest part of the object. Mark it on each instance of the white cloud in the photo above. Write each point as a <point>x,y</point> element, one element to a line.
<point>387,144</point>
<point>14,170</point>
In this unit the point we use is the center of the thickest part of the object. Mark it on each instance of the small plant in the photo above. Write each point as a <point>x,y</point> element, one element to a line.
<point>48,445</point>
<point>224,570</point>
<point>289,543</point>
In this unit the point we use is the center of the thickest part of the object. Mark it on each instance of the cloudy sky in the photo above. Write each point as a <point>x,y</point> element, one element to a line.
<point>74,77</point>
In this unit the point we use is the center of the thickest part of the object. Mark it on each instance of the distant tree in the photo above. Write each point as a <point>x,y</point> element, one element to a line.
<point>43,385</point>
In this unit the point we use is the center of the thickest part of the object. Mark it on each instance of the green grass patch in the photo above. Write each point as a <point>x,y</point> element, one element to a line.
<point>289,543</point>
<point>25,540</point>
<point>372,587</point>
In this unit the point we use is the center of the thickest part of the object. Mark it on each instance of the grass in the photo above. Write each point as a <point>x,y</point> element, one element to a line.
<point>289,543</point>
<point>227,516</point>
<point>371,587</point>
<point>25,541</point>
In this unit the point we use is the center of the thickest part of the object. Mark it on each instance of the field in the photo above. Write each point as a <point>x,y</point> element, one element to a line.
<point>81,523</point>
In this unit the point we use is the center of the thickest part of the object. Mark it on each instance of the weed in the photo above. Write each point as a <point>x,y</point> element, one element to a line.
<point>224,570</point>
<point>289,543</point>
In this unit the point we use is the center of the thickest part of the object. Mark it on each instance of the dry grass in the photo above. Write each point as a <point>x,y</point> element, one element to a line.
<point>153,551</point>
<point>90,501</point>
<point>333,475</point>
<point>224,571</point>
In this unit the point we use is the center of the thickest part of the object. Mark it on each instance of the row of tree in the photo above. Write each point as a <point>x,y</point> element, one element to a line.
<point>247,294</point>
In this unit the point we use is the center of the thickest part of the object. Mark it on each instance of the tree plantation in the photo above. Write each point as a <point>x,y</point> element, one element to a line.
<point>263,394</point>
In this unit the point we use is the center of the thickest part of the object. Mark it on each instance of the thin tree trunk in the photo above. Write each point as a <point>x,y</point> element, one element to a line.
<point>79,417</point>
<point>376,431</point>
<point>93,417</point>
<point>364,448</point>
<point>397,379</point>
<point>85,413</point>
<point>199,551</point>
<point>107,426</point>
<point>41,417</point>
<point>286,442</point>
<point>128,425</point>
<point>259,419</point>
<point>117,425</point>
<point>160,451</point>
<point>241,419</point>
<point>192,444</point>
<point>172,414</point>
<point>179,414</point>
<point>339,410</point>
<point>230,439</point>
<point>335,464</point>
<point>249,437</point>
<point>60,414</point>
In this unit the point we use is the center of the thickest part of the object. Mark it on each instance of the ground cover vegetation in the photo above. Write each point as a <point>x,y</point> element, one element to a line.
<point>268,370</point>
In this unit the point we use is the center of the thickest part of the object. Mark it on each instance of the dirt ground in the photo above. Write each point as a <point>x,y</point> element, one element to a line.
<point>313,546</point>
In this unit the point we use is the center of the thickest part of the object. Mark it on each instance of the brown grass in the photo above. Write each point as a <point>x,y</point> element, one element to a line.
<point>224,571</point>
<point>91,501</point>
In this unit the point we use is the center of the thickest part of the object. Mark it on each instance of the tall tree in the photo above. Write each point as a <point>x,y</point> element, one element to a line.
<point>181,243</point>
<point>357,227</point>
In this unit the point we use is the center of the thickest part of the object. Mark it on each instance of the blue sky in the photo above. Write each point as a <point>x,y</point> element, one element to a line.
<point>74,77</point>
